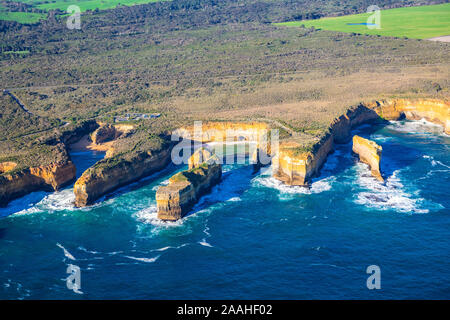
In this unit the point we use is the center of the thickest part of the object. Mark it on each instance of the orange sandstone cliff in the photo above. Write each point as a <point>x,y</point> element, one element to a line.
<point>110,174</point>
<point>14,184</point>
<point>199,156</point>
<point>369,152</point>
<point>228,131</point>
<point>295,166</point>
<point>19,179</point>
<point>436,111</point>
<point>185,188</point>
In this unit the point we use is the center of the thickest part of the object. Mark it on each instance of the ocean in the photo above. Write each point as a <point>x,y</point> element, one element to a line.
<point>252,237</point>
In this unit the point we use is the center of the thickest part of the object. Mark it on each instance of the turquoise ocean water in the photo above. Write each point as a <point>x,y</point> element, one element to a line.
<point>251,237</point>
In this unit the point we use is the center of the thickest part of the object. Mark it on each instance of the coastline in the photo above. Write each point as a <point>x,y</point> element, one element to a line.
<point>292,168</point>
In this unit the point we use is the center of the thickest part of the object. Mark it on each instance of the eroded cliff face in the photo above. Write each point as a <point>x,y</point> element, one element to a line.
<point>185,188</point>
<point>297,168</point>
<point>104,138</point>
<point>294,167</point>
<point>101,179</point>
<point>199,156</point>
<point>227,131</point>
<point>369,152</point>
<point>7,166</point>
<point>432,110</point>
<point>17,179</point>
<point>48,178</point>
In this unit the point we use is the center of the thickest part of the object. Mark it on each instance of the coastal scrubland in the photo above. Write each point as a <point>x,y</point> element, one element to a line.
<point>31,11</point>
<point>200,60</point>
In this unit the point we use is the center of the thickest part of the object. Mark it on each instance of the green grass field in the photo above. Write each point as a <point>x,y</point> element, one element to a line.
<point>413,22</point>
<point>28,17</point>
<point>22,17</point>
<point>88,4</point>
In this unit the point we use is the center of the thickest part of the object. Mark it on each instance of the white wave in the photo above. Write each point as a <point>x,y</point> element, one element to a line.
<point>170,247</point>
<point>88,251</point>
<point>205,244</point>
<point>58,201</point>
<point>114,253</point>
<point>435,162</point>
<point>66,253</point>
<point>379,138</point>
<point>23,205</point>
<point>326,265</point>
<point>150,216</point>
<point>23,292</point>
<point>146,260</point>
<point>162,183</point>
<point>391,195</point>
<point>417,127</point>
<point>234,183</point>
<point>316,187</point>
<point>164,248</point>
<point>51,202</point>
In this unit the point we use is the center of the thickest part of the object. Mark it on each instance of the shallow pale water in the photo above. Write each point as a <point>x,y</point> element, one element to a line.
<point>251,237</point>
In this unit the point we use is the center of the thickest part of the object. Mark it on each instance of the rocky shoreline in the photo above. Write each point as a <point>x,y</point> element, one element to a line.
<point>45,178</point>
<point>15,183</point>
<point>298,168</point>
<point>291,166</point>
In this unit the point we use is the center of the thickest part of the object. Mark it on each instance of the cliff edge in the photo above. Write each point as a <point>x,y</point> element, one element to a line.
<point>15,184</point>
<point>296,163</point>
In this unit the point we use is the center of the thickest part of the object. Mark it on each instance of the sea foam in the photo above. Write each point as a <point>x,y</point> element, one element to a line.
<point>317,186</point>
<point>143,259</point>
<point>391,195</point>
<point>416,127</point>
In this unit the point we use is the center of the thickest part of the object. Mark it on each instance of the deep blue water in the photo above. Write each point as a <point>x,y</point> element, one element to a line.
<point>251,237</point>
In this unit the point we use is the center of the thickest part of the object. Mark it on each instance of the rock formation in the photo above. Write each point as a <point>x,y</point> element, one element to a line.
<point>228,131</point>
<point>109,174</point>
<point>108,132</point>
<point>49,178</point>
<point>56,171</point>
<point>369,152</point>
<point>7,166</point>
<point>185,188</point>
<point>199,156</point>
<point>104,134</point>
<point>295,166</point>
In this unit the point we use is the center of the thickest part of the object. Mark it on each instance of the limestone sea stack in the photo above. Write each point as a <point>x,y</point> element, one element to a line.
<point>295,164</point>
<point>185,188</point>
<point>369,152</point>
